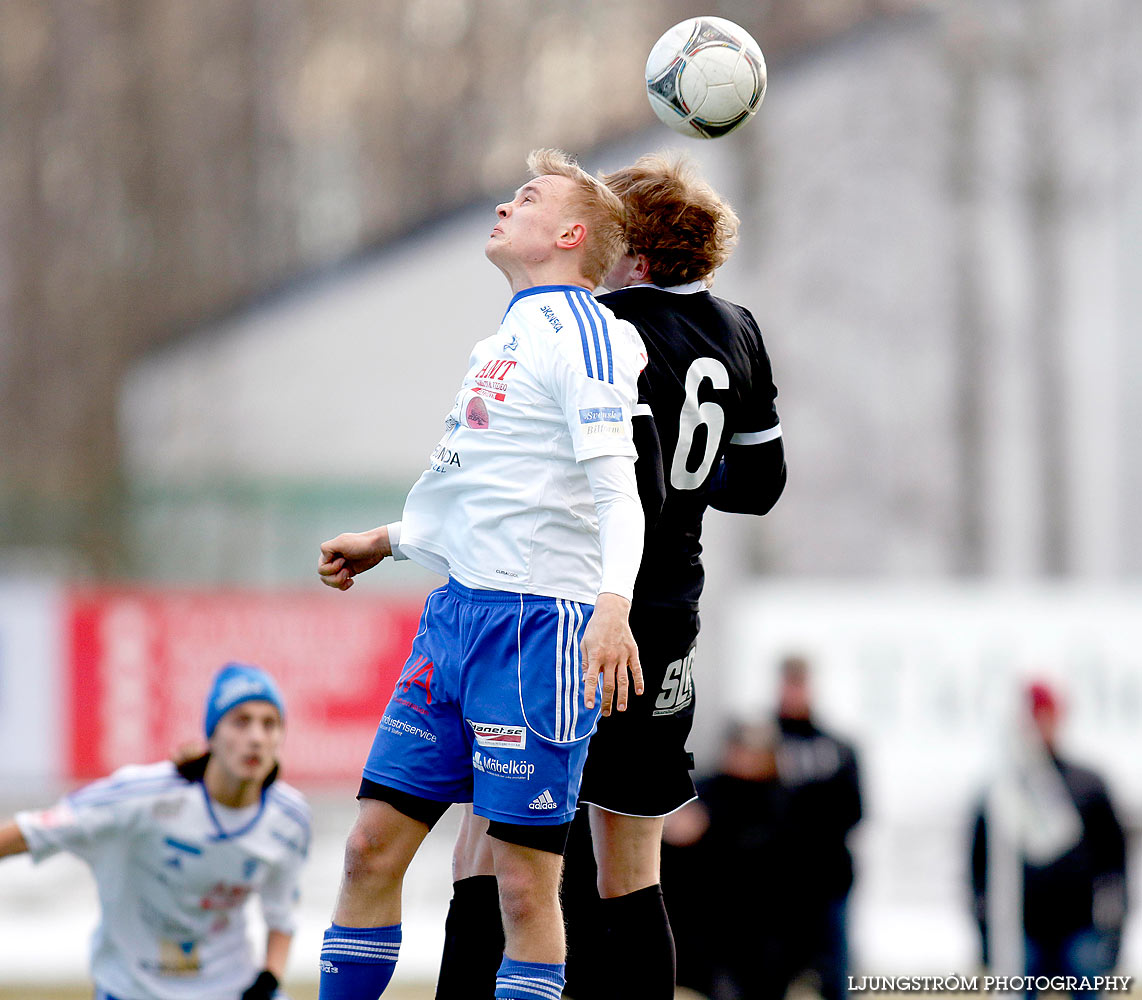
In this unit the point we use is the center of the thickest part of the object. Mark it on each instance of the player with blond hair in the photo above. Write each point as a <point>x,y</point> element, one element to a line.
<point>709,385</point>
<point>604,242</point>
<point>530,507</point>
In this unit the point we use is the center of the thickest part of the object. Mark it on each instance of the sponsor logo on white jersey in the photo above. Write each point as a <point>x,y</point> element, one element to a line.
<point>492,379</point>
<point>551,317</point>
<point>443,456</point>
<point>594,414</point>
<point>492,734</point>
<point>476,414</point>
<point>543,801</point>
<point>502,768</point>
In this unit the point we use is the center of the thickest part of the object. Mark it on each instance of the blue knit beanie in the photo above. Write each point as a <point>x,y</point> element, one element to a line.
<point>236,683</point>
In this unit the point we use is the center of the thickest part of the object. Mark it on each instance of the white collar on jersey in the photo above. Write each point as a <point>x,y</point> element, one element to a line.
<point>687,289</point>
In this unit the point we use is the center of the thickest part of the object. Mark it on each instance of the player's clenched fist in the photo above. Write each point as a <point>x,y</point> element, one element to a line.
<point>350,553</point>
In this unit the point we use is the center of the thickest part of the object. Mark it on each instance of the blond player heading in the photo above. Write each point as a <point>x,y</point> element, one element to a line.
<point>177,851</point>
<point>529,505</point>
<point>709,387</point>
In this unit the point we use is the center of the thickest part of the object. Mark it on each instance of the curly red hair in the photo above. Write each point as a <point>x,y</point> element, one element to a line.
<point>683,227</point>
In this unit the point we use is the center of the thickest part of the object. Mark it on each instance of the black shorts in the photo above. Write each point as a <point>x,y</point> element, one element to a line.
<point>637,763</point>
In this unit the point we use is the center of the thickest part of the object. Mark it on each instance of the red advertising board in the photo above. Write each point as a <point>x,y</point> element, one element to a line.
<point>140,662</point>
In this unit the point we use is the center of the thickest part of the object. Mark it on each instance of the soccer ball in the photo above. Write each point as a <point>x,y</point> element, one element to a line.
<point>705,77</point>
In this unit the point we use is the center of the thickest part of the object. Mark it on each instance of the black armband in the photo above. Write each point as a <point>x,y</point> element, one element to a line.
<point>262,988</point>
<point>749,479</point>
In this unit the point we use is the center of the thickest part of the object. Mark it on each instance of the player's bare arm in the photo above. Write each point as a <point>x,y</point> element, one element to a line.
<point>277,952</point>
<point>609,651</point>
<point>350,553</point>
<point>11,840</point>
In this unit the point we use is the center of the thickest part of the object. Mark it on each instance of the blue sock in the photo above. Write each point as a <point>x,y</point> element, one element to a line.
<point>358,962</point>
<point>529,980</point>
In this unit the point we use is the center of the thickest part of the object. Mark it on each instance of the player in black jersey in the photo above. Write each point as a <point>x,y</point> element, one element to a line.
<point>710,389</point>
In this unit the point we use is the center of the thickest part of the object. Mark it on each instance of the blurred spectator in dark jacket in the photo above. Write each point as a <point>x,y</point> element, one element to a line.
<point>756,873</point>
<point>1048,858</point>
<point>724,873</point>
<point>820,774</point>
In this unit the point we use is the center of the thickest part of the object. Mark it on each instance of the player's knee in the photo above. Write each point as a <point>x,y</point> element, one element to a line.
<point>524,899</point>
<point>369,855</point>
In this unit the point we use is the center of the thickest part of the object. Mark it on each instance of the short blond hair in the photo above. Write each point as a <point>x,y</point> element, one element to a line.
<point>683,227</point>
<point>601,209</point>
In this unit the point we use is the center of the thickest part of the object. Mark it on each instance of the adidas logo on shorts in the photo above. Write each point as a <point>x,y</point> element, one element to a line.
<point>542,801</point>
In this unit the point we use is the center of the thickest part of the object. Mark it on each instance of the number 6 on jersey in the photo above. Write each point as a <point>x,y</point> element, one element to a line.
<point>694,415</point>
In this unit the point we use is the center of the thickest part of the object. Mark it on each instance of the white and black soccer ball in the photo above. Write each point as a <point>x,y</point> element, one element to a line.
<point>705,77</point>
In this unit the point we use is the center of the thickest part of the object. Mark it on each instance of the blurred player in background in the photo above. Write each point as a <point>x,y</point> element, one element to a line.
<point>1049,823</point>
<point>530,507</point>
<point>178,850</point>
<point>709,386</point>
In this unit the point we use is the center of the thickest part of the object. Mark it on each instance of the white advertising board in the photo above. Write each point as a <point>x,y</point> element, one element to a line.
<point>32,733</point>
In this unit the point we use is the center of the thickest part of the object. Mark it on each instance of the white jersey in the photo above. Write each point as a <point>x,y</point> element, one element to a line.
<point>504,504</point>
<point>174,870</point>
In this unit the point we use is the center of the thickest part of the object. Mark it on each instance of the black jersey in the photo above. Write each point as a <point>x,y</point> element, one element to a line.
<point>710,387</point>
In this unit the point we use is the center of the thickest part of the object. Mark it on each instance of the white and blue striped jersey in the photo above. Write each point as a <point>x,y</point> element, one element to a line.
<point>174,871</point>
<point>504,503</point>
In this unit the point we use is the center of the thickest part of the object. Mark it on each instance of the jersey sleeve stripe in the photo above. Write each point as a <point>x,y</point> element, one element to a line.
<point>642,410</point>
<point>594,337</point>
<point>582,334</point>
<point>290,795</point>
<point>120,792</point>
<point>299,816</point>
<point>134,780</point>
<point>590,310</point>
<point>593,306</point>
<point>281,790</point>
<point>757,437</point>
<point>581,313</point>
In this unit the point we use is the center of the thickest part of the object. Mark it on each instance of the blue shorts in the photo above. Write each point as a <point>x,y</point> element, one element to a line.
<point>489,707</point>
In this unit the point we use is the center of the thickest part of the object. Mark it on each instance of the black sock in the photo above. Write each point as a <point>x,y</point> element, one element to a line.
<point>473,941</point>
<point>639,952</point>
<point>581,914</point>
